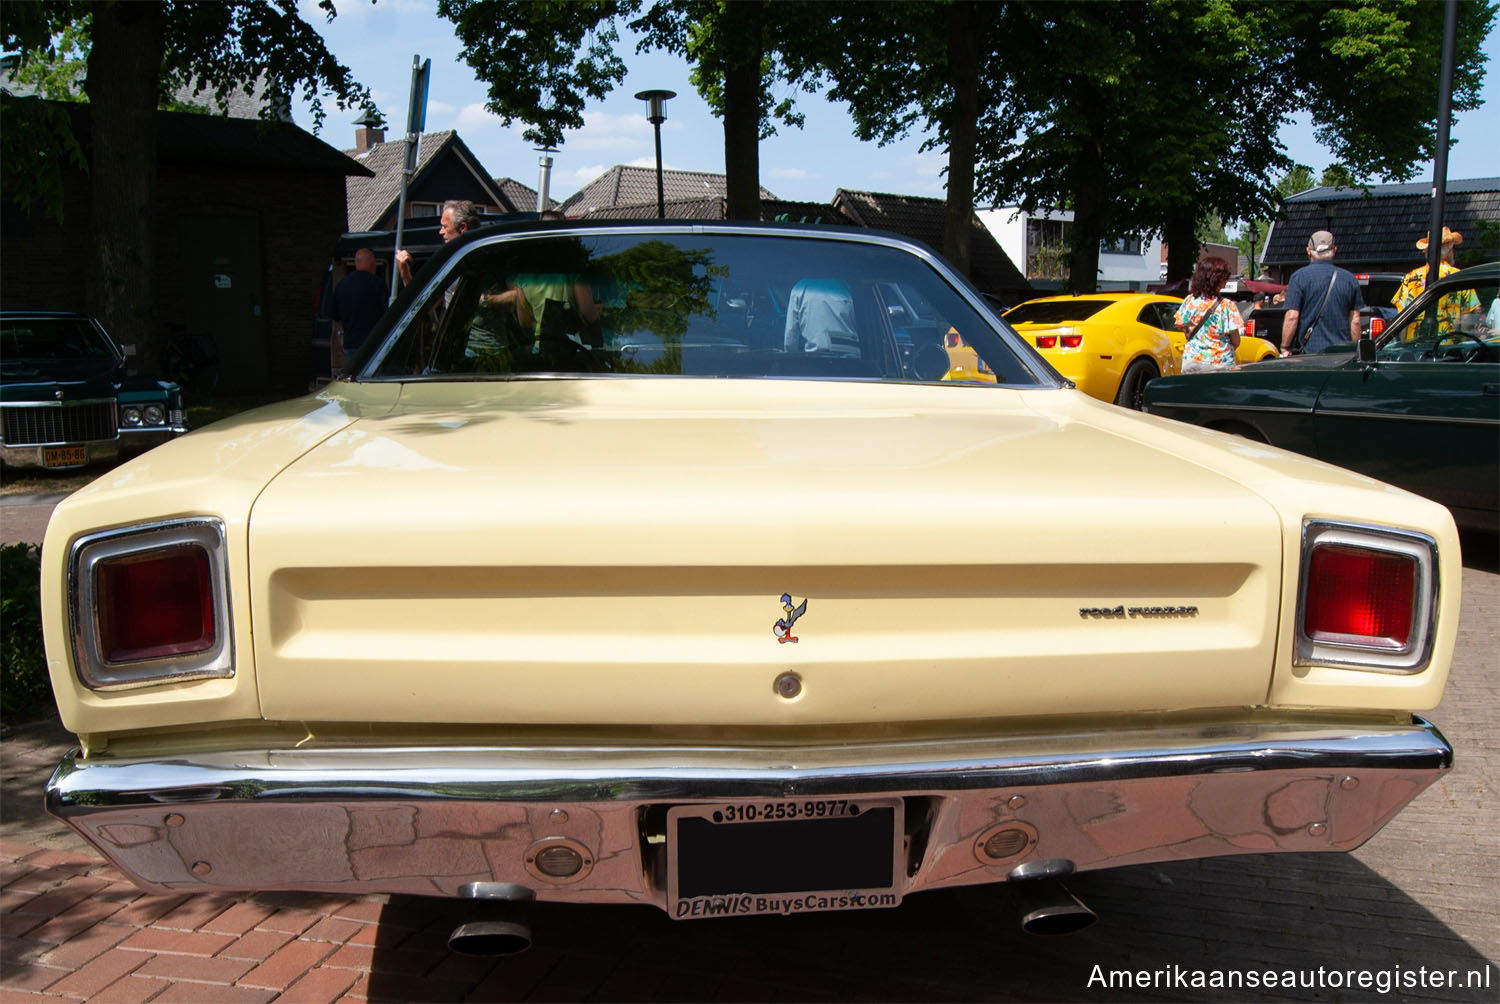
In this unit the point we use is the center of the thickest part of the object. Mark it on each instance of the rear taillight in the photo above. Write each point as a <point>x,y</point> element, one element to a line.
<point>1072,341</point>
<point>954,341</point>
<point>1250,328</point>
<point>1377,325</point>
<point>1046,341</point>
<point>1361,596</point>
<point>155,605</point>
<point>150,605</point>
<point>1367,597</point>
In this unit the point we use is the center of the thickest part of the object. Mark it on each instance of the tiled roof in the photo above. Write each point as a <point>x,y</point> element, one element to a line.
<point>370,200</point>
<point>923,219</point>
<point>623,185</point>
<point>521,196</point>
<point>193,138</point>
<point>1378,230</point>
<point>714,207</point>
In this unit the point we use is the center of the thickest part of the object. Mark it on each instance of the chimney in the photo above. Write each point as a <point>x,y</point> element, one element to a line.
<point>371,130</point>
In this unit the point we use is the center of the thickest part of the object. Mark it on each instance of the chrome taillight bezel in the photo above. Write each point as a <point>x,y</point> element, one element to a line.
<point>1408,659</point>
<point>99,673</point>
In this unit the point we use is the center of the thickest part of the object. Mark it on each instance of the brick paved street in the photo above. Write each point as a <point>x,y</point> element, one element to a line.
<point>1425,892</point>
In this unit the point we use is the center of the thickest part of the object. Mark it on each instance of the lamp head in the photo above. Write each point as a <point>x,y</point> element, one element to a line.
<point>656,101</point>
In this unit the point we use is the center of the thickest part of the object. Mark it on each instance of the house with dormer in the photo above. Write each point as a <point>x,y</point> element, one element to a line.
<point>446,169</point>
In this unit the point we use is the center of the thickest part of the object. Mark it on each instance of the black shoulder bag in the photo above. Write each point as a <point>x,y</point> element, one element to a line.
<point>1306,332</point>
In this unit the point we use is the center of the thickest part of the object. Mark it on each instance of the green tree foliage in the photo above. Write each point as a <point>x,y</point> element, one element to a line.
<point>140,54</point>
<point>1149,117</point>
<point>543,61</point>
<point>25,691</point>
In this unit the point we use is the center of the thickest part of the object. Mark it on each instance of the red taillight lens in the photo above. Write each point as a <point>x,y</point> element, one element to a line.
<point>1072,341</point>
<point>1046,341</point>
<point>953,340</point>
<point>1360,596</point>
<point>1377,325</point>
<point>155,605</point>
<point>1250,328</point>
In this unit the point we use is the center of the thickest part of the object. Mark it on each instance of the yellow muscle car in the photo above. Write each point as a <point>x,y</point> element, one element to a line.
<point>635,596</point>
<point>1110,344</point>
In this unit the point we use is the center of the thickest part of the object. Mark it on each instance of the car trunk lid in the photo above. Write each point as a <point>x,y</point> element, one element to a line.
<point>618,551</point>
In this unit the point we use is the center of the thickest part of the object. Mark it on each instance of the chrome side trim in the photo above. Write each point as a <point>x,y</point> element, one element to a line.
<point>1396,416</point>
<point>429,820</point>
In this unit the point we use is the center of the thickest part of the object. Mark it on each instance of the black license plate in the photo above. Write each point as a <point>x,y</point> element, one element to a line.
<point>784,856</point>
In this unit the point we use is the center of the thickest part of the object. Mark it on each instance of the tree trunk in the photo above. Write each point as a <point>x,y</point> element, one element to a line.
<point>1178,230</point>
<point>1089,200</point>
<point>123,67</point>
<point>963,118</point>
<point>742,113</point>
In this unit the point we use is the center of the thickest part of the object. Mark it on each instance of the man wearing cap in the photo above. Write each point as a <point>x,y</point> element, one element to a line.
<point>1450,308</point>
<point>1322,301</point>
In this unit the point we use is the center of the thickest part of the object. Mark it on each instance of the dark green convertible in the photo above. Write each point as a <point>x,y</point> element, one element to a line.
<point>1418,408</point>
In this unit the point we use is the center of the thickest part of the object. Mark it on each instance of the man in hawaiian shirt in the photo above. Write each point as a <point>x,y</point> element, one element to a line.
<point>1450,308</point>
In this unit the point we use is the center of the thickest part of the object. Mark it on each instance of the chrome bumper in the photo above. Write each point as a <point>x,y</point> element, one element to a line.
<point>428,820</point>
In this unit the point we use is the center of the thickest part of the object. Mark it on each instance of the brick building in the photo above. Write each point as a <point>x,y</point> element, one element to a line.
<point>247,213</point>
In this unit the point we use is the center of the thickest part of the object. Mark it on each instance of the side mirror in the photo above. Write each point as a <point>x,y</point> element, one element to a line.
<point>1365,348</point>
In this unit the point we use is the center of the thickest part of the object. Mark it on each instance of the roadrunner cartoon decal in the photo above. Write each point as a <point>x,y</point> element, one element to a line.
<point>783,627</point>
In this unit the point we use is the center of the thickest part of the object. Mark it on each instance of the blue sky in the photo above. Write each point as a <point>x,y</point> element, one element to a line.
<point>377,42</point>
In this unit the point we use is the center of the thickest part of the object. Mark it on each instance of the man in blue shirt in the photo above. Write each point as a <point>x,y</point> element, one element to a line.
<point>1322,301</point>
<point>358,301</point>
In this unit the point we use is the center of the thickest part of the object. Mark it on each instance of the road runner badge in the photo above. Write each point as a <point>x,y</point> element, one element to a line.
<point>783,626</point>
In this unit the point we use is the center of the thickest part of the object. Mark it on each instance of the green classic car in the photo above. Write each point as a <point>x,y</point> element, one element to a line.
<point>1418,408</point>
<point>68,398</point>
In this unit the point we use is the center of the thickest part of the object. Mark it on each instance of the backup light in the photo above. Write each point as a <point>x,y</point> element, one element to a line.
<point>150,605</point>
<point>1367,598</point>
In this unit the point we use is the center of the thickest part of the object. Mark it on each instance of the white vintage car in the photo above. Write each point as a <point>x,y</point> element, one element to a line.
<point>670,563</point>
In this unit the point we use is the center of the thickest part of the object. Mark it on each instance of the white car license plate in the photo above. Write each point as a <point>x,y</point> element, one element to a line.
<point>732,859</point>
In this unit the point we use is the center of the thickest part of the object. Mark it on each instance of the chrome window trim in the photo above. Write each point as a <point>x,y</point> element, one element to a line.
<point>1411,658</point>
<point>85,554</point>
<point>1023,350</point>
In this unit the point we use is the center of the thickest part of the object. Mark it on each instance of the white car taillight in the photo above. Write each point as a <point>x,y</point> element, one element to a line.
<point>150,605</point>
<point>1366,598</point>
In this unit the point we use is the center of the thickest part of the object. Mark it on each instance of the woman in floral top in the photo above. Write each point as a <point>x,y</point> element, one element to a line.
<point>1214,324</point>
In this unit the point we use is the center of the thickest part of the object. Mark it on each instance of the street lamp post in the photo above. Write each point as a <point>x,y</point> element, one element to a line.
<point>656,114</point>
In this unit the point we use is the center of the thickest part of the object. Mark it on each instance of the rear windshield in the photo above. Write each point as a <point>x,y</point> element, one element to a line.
<point>1055,311</point>
<point>720,305</point>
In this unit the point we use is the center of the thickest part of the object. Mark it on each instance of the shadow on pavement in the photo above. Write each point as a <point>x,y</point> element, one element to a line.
<point>1294,916</point>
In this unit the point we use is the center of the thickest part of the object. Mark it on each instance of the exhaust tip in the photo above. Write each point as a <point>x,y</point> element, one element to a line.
<point>1048,908</point>
<point>497,923</point>
<point>1058,919</point>
<point>490,938</point>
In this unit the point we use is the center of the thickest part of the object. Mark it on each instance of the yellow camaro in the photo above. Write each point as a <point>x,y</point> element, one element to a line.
<point>1110,344</point>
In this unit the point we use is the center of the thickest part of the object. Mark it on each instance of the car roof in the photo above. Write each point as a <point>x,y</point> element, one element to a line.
<point>16,314</point>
